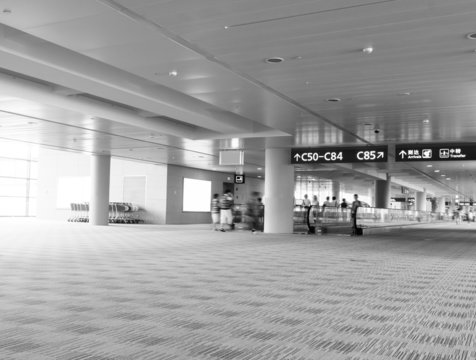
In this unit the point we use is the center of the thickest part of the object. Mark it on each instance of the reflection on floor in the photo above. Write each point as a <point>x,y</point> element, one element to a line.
<point>73,291</point>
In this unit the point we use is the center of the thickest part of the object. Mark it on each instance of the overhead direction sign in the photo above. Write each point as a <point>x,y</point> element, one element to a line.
<point>339,155</point>
<point>435,152</point>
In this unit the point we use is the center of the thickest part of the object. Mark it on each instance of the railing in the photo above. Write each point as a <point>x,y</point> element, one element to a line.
<point>324,218</point>
<point>332,217</point>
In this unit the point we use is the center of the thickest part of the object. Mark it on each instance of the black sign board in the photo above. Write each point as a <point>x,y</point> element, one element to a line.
<point>239,179</point>
<point>339,155</point>
<point>435,152</point>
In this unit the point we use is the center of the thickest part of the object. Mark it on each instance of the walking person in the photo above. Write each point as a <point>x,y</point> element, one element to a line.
<point>252,212</point>
<point>315,208</point>
<point>226,215</point>
<point>457,215</point>
<point>306,204</point>
<point>353,213</point>
<point>215,210</point>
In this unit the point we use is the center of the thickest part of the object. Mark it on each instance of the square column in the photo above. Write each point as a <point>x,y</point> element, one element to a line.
<point>278,192</point>
<point>383,192</point>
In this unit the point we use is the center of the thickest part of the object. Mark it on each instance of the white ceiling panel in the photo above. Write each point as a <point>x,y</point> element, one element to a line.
<point>417,86</point>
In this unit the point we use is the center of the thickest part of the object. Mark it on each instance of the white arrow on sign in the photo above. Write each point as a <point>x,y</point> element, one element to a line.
<point>402,153</point>
<point>297,157</point>
<point>380,155</point>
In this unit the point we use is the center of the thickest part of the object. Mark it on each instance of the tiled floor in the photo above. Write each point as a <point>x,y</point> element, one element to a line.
<point>73,291</point>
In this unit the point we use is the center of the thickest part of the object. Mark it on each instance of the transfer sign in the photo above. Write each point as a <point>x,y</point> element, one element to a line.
<point>435,152</point>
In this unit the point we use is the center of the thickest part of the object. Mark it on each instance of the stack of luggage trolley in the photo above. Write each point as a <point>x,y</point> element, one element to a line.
<point>119,213</point>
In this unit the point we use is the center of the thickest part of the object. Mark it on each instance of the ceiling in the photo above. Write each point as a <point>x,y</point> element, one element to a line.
<point>173,81</point>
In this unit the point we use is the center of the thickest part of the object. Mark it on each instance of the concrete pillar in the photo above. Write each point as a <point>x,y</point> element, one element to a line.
<point>278,192</point>
<point>420,201</point>
<point>100,178</point>
<point>441,205</point>
<point>382,193</point>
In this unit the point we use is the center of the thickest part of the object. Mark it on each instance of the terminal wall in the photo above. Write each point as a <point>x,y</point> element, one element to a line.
<point>142,184</point>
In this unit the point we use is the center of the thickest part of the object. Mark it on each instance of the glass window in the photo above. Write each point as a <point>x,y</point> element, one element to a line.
<point>10,206</point>
<point>14,168</point>
<point>14,149</point>
<point>34,170</point>
<point>33,188</point>
<point>13,187</point>
<point>31,207</point>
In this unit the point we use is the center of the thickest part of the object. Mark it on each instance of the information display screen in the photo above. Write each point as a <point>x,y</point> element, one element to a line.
<point>435,152</point>
<point>339,155</point>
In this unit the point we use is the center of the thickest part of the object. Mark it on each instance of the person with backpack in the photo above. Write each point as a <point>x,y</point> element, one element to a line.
<point>226,214</point>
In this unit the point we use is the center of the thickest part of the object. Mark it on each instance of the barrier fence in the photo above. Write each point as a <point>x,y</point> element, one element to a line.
<point>338,219</point>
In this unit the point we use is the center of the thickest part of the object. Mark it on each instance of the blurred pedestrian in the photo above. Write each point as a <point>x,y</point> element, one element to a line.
<point>215,210</point>
<point>353,213</point>
<point>226,214</point>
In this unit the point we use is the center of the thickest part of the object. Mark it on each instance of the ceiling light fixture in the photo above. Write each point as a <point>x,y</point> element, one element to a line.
<point>426,121</point>
<point>274,60</point>
<point>235,143</point>
<point>437,171</point>
<point>404,93</point>
<point>259,168</point>
<point>173,73</point>
<point>429,165</point>
<point>368,50</point>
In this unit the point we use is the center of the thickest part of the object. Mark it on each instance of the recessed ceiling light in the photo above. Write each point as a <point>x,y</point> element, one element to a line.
<point>226,27</point>
<point>173,73</point>
<point>429,166</point>
<point>437,171</point>
<point>442,175</point>
<point>426,121</point>
<point>448,178</point>
<point>259,168</point>
<point>259,176</point>
<point>404,93</point>
<point>368,50</point>
<point>274,60</point>
<point>471,36</point>
<point>334,99</point>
